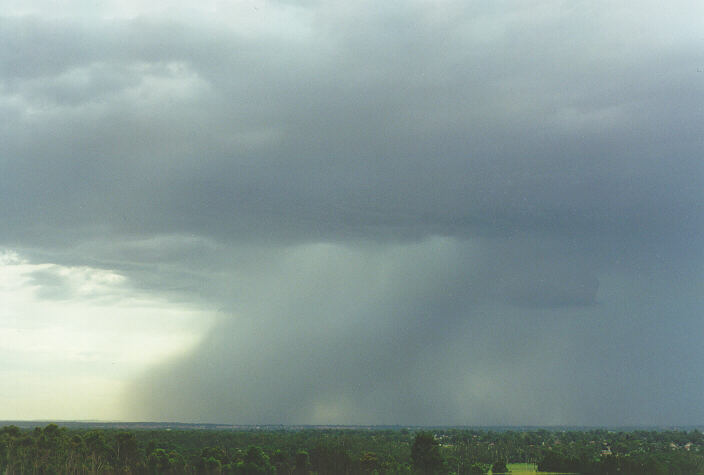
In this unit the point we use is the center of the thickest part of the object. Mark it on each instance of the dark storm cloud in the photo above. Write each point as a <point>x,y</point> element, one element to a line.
<point>373,192</point>
<point>407,125</point>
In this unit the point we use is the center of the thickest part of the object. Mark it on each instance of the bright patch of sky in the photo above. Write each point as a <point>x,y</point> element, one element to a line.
<point>70,337</point>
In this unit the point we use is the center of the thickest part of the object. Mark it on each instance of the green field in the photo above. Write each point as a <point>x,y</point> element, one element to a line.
<point>526,469</point>
<point>523,468</point>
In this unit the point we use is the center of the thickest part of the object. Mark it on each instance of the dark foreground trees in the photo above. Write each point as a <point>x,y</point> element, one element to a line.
<point>425,455</point>
<point>58,450</point>
<point>499,467</point>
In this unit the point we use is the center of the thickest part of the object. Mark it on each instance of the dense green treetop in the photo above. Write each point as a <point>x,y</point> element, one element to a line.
<point>54,449</point>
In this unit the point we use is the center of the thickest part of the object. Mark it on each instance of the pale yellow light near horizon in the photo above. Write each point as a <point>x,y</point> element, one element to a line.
<point>72,338</point>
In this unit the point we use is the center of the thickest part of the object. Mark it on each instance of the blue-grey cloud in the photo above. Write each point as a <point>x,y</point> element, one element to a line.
<point>370,193</point>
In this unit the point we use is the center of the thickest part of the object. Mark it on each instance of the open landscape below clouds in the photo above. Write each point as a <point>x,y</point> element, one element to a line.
<point>157,448</point>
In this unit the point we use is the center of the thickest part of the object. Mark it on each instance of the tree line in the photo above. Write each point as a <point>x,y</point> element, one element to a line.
<point>53,449</point>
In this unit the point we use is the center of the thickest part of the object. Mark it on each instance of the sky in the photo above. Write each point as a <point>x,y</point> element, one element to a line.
<point>332,212</point>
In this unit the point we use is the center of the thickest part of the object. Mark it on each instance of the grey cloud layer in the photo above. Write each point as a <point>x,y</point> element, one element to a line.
<point>406,124</point>
<point>481,177</point>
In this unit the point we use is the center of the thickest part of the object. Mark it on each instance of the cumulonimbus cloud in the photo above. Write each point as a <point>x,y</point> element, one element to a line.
<point>370,194</point>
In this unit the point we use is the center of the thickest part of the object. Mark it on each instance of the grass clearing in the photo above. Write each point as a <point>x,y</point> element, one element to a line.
<point>523,468</point>
<point>528,469</point>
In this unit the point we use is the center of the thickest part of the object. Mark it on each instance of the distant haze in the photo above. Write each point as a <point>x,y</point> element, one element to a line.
<point>272,212</point>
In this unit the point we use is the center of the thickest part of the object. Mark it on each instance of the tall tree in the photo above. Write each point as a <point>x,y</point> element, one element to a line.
<point>425,455</point>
